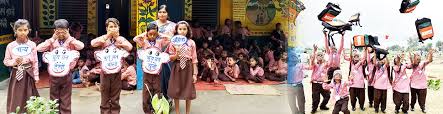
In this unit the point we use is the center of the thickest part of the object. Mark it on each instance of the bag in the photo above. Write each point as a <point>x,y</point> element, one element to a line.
<point>424,29</point>
<point>407,6</point>
<point>331,11</point>
<point>361,41</point>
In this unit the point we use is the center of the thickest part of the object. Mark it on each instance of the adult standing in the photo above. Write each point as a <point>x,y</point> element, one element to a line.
<point>166,29</point>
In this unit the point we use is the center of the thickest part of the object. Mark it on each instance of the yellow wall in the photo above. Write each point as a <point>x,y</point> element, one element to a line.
<point>225,11</point>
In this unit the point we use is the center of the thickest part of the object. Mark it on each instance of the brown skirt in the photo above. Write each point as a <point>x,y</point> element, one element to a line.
<point>20,91</point>
<point>181,84</point>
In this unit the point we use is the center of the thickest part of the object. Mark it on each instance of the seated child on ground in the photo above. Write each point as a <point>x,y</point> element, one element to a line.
<point>128,76</point>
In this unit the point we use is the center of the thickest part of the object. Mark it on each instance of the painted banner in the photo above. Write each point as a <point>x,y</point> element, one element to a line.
<point>8,14</point>
<point>111,59</point>
<point>92,17</point>
<point>48,13</point>
<point>147,12</point>
<point>59,61</point>
<point>152,59</point>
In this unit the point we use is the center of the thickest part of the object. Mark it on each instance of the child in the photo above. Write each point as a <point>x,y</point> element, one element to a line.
<point>237,49</point>
<point>334,54</point>
<point>256,72</point>
<point>231,71</point>
<point>184,69</point>
<point>222,61</point>
<point>381,84</point>
<point>129,76</point>
<point>418,80</point>
<point>21,85</point>
<point>341,93</point>
<point>370,67</point>
<point>76,78</point>
<point>243,64</point>
<point>148,40</point>
<point>210,71</point>
<point>269,57</point>
<point>254,50</point>
<point>205,49</point>
<point>280,71</point>
<point>110,84</point>
<point>357,89</point>
<point>401,85</point>
<point>318,66</point>
<point>61,87</point>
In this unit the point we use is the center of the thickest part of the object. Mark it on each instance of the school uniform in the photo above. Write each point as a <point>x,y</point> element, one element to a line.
<point>244,69</point>
<point>211,74</point>
<point>381,86</point>
<point>371,81</point>
<point>231,71</point>
<point>129,78</point>
<point>181,84</point>
<point>401,87</point>
<point>153,81</point>
<point>61,87</point>
<point>280,73</point>
<point>333,63</point>
<point>357,89</point>
<point>419,85</point>
<point>341,96</point>
<point>22,81</point>
<point>110,84</point>
<point>318,70</point>
<point>256,74</point>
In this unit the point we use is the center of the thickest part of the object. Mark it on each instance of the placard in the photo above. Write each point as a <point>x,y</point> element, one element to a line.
<point>59,61</point>
<point>21,50</point>
<point>111,59</point>
<point>178,40</point>
<point>152,59</point>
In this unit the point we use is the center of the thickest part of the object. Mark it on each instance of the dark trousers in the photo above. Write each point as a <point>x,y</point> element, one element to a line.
<point>256,78</point>
<point>357,93</point>
<point>208,74</point>
<point>165,74</point>
<point>371,94</point>
<point>127,86</point>
<point>275,77</point>
<point>296,97</point>
<point>380,99</point>
<point>317,89</point>
<point>341,105</point>
<point>110,88</point>
<point>61,89</point>
<point>421,94</point>
<point>153,82</point>
<point>399,99</point>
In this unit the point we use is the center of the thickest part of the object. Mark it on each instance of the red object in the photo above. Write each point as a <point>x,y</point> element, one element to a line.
<point>386,37</point>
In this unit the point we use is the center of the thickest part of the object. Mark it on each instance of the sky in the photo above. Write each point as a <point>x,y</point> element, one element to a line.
<point>378,17</point>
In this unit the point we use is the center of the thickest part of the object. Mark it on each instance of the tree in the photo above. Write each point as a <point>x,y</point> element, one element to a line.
<point>412,43</point>
<point>428,46</point>
<point>395,48</point>
<point>439,45</point>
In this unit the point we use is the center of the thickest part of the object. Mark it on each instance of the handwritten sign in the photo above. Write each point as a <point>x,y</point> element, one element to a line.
<point>21,50</point>
<point>179,40</point>
<point>110,59</point>
<point>59,61</point>
<point>152,59</point>
<point>8,14</point>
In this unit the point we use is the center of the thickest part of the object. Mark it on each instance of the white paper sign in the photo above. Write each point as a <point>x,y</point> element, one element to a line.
<point>178,40</point>
<point>59,60</point>
<point>21,50</point>
<point>152,59</point>
<point>110,59</point>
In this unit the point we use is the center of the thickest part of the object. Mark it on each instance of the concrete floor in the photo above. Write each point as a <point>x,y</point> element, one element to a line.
<point>207,102</point>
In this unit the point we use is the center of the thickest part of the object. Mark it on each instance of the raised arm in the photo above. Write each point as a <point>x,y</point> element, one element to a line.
<point>76,44</point>
<point>340,49</point>
<point>429,57</point>
<point>99,41</point>
<point>45,46</point>
<point>139,39</point>
<point>125,44</point>
<point>326,43</point>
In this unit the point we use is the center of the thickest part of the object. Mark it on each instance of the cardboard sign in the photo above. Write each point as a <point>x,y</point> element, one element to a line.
<point>178,40</point>
<point>21,50</point>
<point>152,59</point>
<point>110,59</point>
<point>59,61</point>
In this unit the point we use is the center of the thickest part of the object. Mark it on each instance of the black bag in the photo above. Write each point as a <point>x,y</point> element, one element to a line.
<point>331,11</point>
<point>424,29</point>
<point>407,6</point>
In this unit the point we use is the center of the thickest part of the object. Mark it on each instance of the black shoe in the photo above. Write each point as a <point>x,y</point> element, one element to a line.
<point>313,111</point>
<point>396,111</point>
<point>324,108</point>
<point>412,108</point>
<point>363,109</point>
<point>376,111</point>
<point>424,111</point>
<point>383,111</point>
<point>353,108</point>
<point>370,105</point>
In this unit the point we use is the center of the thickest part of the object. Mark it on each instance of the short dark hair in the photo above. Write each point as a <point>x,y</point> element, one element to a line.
<point>152,26</point>
<point>112,20</point>
<point>130,59</point>
<point>61,23</point>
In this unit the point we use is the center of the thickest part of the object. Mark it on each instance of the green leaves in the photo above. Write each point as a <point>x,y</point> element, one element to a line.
<point>40,105</point>
<point>434,84</point>
<point>161,106</point>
